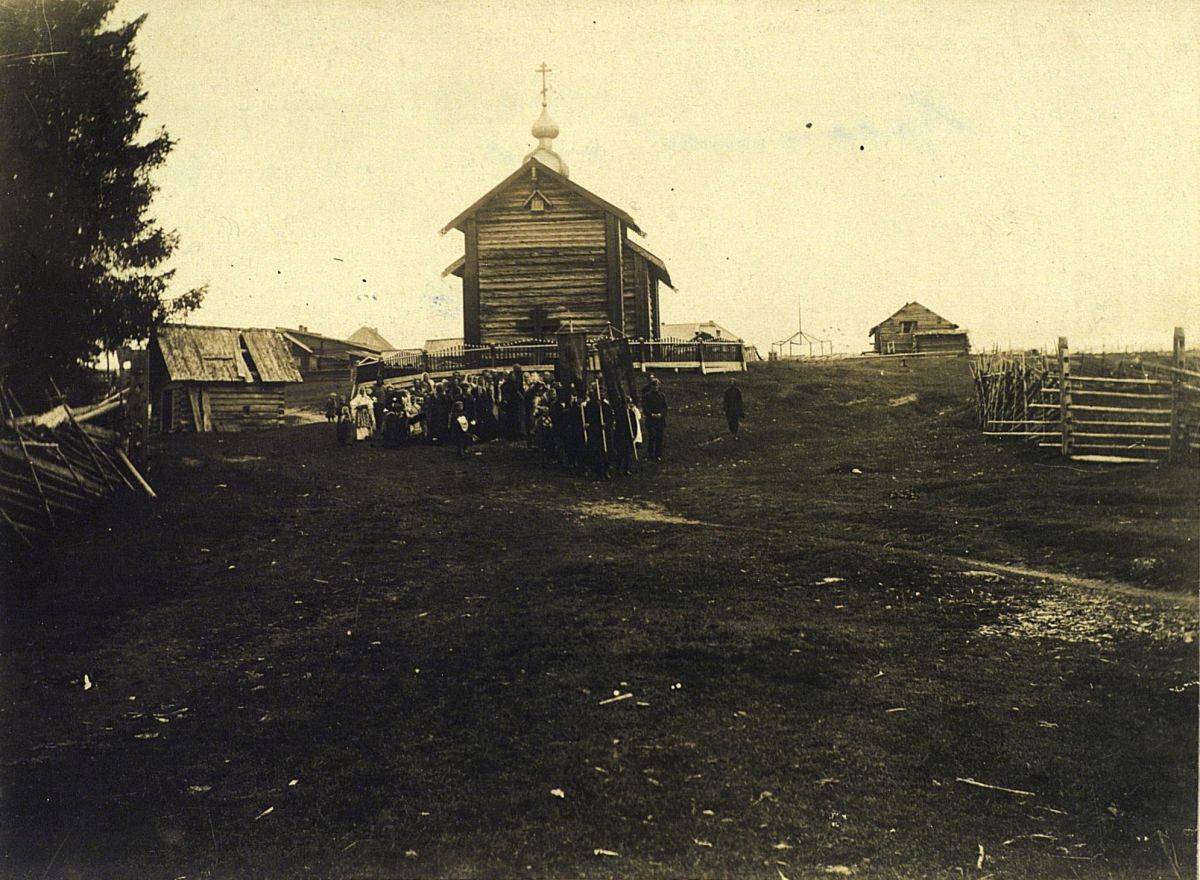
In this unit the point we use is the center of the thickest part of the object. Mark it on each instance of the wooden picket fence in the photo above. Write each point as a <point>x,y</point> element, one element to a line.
<point>1136,411</point>
<point>706,355</point>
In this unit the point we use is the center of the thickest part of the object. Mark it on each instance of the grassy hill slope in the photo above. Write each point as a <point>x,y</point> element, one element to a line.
<point>314,661</point>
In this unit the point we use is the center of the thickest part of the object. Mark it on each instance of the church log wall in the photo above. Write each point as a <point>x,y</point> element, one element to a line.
<point>552,262</point>
<point>637,296</point>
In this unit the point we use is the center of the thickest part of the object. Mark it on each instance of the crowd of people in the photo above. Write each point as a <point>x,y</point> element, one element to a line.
<point>577,427</point>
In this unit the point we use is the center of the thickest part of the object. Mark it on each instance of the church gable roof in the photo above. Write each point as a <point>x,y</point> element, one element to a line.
<point>608,207</point>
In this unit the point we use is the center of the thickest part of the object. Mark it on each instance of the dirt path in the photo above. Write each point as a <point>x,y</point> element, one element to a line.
<point>640,510</point>
<point>1191,600</point>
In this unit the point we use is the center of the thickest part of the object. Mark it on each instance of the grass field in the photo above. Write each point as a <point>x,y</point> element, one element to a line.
<point>323,662</point>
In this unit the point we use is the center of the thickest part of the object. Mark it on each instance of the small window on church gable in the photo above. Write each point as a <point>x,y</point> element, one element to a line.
<point>537,202</point>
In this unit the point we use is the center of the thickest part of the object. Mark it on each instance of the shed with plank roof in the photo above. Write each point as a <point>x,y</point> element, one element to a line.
<point>217,378</point>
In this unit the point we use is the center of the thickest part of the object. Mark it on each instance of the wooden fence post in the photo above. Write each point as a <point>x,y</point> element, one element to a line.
<point>1179,441</point>
<point>1064,395</point>
<point>700,355</point>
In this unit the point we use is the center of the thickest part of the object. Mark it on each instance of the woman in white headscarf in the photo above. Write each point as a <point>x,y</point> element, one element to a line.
<point>362,406</point>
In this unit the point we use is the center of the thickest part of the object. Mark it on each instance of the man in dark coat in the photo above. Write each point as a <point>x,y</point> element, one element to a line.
<point>654,406</point>
<point>558,425</point>
<point>624,435</point>
<point>439,415</point>
<point>485,416</point>
<point>345,425</point>
<point>512,405</point>
<point>379,405</point>
<point>598,415</point>
<point>458,429</point>
<point>733,406</point>
<point>575,445</point>
<point>391,424</point>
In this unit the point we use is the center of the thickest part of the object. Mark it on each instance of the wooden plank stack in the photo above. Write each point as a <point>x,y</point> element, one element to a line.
<point>57,466</point>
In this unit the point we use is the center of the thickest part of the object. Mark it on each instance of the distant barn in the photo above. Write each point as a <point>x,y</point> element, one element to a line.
<point>315,352</point>
<point>217,378</point>
<point>544,254</point>
<point>918,330</point>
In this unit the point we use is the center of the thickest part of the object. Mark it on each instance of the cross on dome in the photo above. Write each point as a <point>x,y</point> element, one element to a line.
<point>545,129</point>
<point>543,70</point>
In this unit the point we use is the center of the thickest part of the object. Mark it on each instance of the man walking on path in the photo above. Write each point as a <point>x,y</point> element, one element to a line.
<point>654,405</point>
<point>733,406</point>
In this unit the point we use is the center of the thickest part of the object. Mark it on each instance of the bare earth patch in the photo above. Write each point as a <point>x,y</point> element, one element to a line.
<point>1086,616</point>
<point>636,511</point>
<point>193,461</point>
<point>303,417</point>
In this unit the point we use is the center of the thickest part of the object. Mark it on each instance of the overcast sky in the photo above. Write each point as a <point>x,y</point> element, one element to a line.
<point>1028,170</point>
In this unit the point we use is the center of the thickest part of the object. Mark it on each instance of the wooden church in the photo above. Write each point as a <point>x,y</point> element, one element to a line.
<point>543,254</point>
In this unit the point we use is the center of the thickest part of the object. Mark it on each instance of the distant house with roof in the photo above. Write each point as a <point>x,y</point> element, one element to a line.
<point>315,352</point>
<point>217,378</point>
<point>915,329</point>
<point>698,330</point>
<point>369,338</point>
<point>437,346</point>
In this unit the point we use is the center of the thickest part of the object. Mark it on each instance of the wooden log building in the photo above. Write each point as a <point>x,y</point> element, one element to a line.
<point>217,378</point>
<point>543,254</point>
<point>918,330</point>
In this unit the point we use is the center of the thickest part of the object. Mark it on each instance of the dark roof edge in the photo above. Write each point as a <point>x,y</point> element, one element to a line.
<point>566,181</point>
<point>654,261</point>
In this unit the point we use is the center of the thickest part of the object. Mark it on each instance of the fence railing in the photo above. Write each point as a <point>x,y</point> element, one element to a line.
<point>1141,411</point>
<point>685,353</point>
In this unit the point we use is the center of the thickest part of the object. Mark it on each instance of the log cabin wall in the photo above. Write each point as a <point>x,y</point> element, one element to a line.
<point>472,333</point>
<point>943,342</point>
<point>236,407</point>
<point>637,296</point>
<point>614,237</point>
<point>898,333</point>
<point>553,260</point>
<point>171,410</point>
<point>655,314</point>
<point>229,406</point>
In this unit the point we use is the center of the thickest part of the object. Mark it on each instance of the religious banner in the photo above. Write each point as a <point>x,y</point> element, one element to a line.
<point>571,368</point>
<point>616,363</point>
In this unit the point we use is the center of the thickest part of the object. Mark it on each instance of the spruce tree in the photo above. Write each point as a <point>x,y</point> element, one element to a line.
<point>81,259</point>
